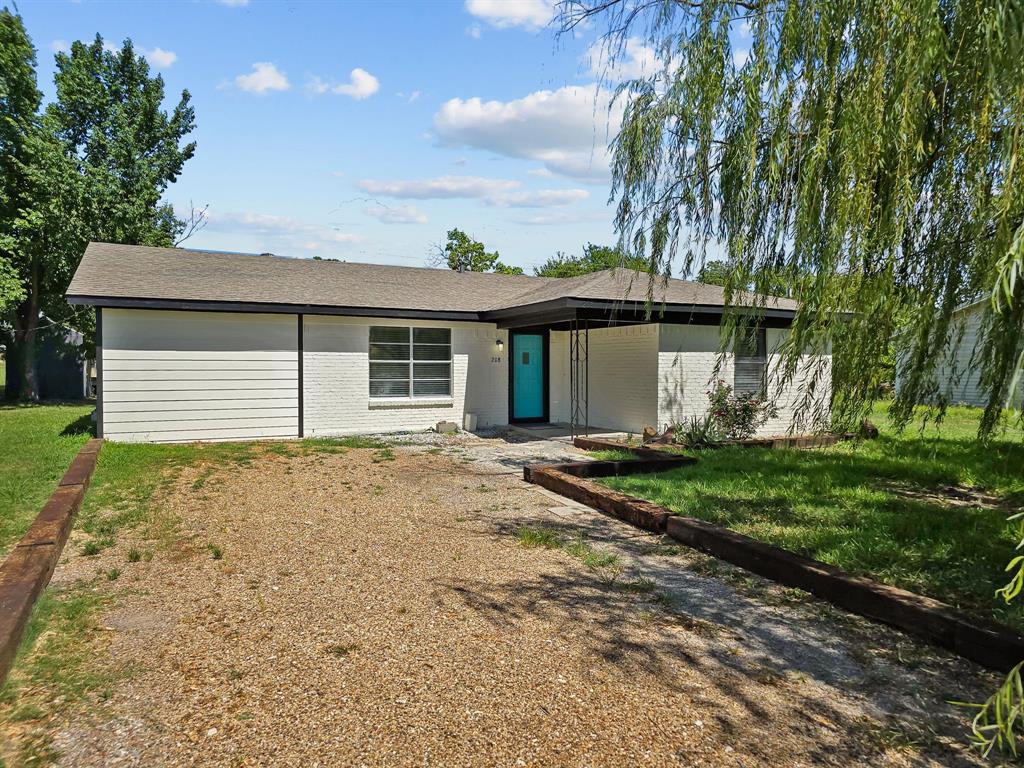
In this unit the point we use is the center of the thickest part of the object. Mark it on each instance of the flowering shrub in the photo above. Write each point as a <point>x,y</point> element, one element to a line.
<point>738,416</point>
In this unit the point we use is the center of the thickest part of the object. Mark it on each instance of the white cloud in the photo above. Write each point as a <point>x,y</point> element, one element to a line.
<point>567,130</point>
<point>402,214</point>
<point>542,172</point>
<point>281,233</point>
<point>361,85</point>
<point>635,60</point>
<point>60,46</point>
<point>158,57</point>
<point>543,198</point>
<point>745,28</point>
<point>529,14</point>
<point>233,3</point>
<point>559,218</point>
<point>474,31</point>
<point>264,77</point>
<point>409,97</point>
<point>501,193</point>
<point>443,187</point>
<point>739,58</point>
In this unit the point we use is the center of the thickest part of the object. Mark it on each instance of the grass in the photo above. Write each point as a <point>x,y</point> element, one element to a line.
<point>880,508</point>
<point>37,442</point>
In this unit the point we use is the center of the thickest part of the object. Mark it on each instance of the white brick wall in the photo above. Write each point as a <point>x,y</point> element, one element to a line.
<point>687,355</point>
<point>623,377</point>
<point>336,390</point>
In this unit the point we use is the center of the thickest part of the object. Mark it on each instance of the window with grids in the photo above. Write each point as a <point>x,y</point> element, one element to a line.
<point>410,362</point>
<point>751,358</point>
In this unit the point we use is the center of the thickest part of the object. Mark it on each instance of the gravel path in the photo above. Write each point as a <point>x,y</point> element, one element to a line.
<point>382,612</point>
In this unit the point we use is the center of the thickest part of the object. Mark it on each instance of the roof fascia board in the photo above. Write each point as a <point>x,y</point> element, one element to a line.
<point>272,309</point>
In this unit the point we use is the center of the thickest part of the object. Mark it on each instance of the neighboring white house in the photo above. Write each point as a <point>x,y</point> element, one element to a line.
<point>958,375</point>
<point>199,345</point>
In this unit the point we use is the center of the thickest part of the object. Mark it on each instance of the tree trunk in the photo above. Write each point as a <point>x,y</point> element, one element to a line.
<point>22,383</point>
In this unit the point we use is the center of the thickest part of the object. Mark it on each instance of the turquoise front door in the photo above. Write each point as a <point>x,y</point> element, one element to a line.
<point>528,393</point>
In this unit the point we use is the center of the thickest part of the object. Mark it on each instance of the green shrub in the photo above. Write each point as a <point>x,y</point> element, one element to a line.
<point>738,417</point>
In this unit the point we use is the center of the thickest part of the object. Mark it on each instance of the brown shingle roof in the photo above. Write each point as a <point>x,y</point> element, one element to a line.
<point>109,271</point>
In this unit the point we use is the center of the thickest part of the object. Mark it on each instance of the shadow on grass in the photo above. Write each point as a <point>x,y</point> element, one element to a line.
<point>83,425</point>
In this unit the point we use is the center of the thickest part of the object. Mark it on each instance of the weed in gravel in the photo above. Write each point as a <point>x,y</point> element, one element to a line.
<point>91,547</point>
<point>484,488</point>
<point>341,650</point>
<point>134,555</point>
<point>147,556</point>
<point>592,558</point>
<point>113,574</point>
<point>537,536</point>
<point>215,551</point>
<point>383,454</point>
<point>435,451</point>
<point>639,586</point>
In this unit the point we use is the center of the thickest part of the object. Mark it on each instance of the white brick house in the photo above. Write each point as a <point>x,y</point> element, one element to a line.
<point>195,345</point>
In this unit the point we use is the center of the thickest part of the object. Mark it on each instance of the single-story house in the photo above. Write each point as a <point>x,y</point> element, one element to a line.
<point>200,345</point>
<point>957,378</point>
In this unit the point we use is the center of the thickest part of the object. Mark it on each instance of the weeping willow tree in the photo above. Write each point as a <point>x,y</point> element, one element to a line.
<point>867,152</point>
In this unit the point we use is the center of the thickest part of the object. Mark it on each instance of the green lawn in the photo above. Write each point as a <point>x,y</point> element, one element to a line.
<point>36,445</point>
<point>880,508</point>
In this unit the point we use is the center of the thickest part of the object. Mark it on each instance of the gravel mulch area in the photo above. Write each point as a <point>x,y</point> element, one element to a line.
<point>375,611</point>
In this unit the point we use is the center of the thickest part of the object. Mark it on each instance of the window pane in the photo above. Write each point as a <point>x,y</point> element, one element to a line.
<point>751,343</point>
<point>389,334</point>
<point>443,387</point>
<point>389,371</point>
<point>389,351</point>
<point>384,388</point>
<point>432,335</point>
<point>432,352</point>
<point>432,371</point>
<point>748,377</point>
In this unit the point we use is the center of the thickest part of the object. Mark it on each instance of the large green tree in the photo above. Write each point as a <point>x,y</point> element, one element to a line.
<point>19,103</point>
<point>869,152</point>
<point>466,254</point>
<point>95,167</point>
<point>595,258</point>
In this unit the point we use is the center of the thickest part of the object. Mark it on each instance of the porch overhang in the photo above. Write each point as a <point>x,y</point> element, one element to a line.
<point>562,314</point>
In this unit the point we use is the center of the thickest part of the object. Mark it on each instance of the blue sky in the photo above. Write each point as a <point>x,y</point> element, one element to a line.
<point>364,131</point>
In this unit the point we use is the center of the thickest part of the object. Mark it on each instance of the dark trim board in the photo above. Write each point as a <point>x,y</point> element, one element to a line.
<point>546,344</point>
<point>272,309</point>
<point>99,371</point>
<point>301,364</point>
<point>554,314</point>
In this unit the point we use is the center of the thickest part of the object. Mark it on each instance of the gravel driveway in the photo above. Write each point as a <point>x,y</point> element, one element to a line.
<point>375,611</point>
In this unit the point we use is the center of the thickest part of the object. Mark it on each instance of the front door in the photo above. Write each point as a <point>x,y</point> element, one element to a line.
<point>529,377</point>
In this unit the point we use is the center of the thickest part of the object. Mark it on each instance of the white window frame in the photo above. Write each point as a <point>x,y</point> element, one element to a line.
<point>411,361</point>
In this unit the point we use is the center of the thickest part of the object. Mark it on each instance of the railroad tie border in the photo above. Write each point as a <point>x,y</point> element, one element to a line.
<point>988,643</point>
<point>28,568</point>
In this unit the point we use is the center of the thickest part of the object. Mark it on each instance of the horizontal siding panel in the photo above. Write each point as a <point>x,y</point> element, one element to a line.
<point>200,414</point>
<point>177,404</point>
<point>178,376</point>
<point>187,384</point>
<point>174,376</point>
<point>289,424</point>
<point>119,355</point>
<point>199,394</point>
<point>189,435</point>
<point>172,363</point>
